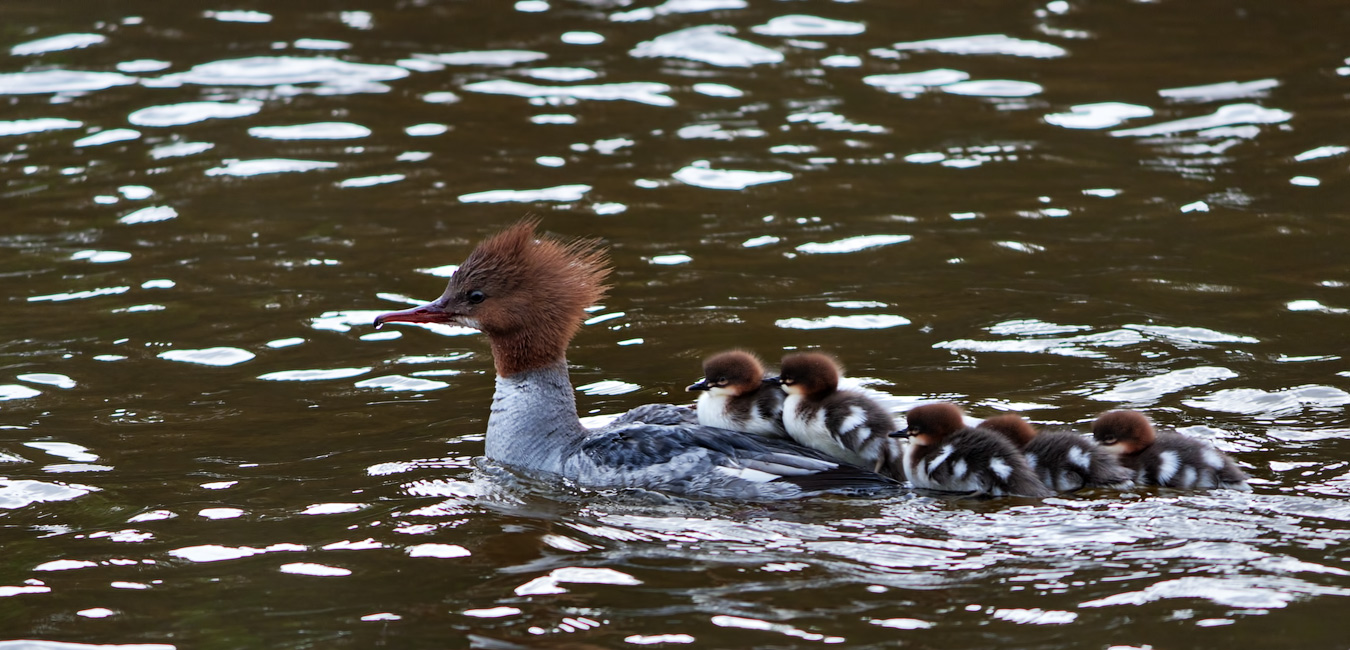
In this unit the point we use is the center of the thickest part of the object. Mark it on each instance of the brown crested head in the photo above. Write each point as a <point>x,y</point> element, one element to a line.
<point>1011,426</point>
<point>737,371</point>
<point>813,374</point>
<point>528,293</point>
<point>930,423</point>
<point>1124,431</point>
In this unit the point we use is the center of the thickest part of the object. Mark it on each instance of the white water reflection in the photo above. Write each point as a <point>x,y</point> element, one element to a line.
<point>484,57</point>
<point>239,16</point>
<point>37,125</point>
<point>279,70</point>
<point>677,7</point>
<point>16,391</point>
<point>57,44</point>
<point>400,383</point>
<point>178,149</point>
<point>561,74</point>
<point>912,83</point>
<point>1102,115</point>
<point>560,193</point>
<point>802,25</point>
<point>853,244</point>
<point>313,131</point>
<point>20,493</point>
<point>60,81</point>
<point>219,356</point>
<point>986,44</point>
<point>149,215</point>
<point>1083,345</point>
<point>107,137</point>
<point>233,167</point>
<point>642,92</point>
<point>314,375</point>
<point>1150,389</point>
<point>852,322</point>
<point>47,378</point>
<point>993,88</point>
<point>552,583</point>
<point>700,174</point>
<point>708,44</point>
<point>1269,404</point>
<point>1221,91</point>
<point>1224,116</point>
<point>192,112</point>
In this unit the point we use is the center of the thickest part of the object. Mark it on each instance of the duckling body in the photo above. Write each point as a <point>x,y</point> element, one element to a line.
<point>845,424</point>
<point>1166,458</point>
<point>737,395</point>
<point>1064,461</point>
<point>944,454</point>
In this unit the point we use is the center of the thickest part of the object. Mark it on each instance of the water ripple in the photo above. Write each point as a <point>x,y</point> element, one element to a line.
<point>708,44</point>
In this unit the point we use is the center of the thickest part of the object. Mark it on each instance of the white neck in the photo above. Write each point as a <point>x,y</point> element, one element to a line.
<point>533,424</point>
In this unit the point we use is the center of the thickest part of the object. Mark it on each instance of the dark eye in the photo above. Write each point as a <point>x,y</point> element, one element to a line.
<point>475,296</point>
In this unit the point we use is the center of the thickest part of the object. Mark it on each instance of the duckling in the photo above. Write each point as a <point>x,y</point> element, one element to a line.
<point>738,396</point>
<point>845,424</point>
<point>1165,458</point>
<point>944,454</point>
<point>1065,461</point>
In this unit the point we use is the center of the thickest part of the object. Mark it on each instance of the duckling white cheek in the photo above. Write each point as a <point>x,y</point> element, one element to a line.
<point>1117,448</point>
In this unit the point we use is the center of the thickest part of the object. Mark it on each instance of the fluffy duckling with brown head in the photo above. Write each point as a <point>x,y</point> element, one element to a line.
<point>845,424</point>
<point>1165,458</point>
<point>946,455</point>
<point>737,395</point>
<point>1064,460</point>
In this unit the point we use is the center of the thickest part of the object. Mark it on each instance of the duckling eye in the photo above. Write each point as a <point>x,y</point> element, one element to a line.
<point>475,296</point>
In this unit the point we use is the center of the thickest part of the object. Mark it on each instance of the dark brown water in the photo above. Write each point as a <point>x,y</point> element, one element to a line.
<point>1072,207</point>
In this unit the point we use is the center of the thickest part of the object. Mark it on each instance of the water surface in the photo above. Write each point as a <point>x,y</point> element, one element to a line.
<point>1055,209</point>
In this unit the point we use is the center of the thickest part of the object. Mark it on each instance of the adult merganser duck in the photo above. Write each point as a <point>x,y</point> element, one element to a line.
<point>845,424</point>
<point>1065,461</point>
<point>528,294</point>
<point>1165,458</point>
<point>944,454</point>
<point>738,396</point>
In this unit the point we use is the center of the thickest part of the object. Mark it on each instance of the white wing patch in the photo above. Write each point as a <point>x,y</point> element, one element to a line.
<point>809,429</point>
<point>1001,468</point>
<point>1186,477</point>
<point>959,469</point>
<point>1168,464</point>
<point>942,455</point>
<point>1079,458</point>
<point>856,418</point>
<point>1212,458</point>
<point>1032,460</point>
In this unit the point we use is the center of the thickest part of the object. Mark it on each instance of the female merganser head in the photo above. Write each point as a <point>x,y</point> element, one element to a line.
<point>1064,460</point>
<point>944,454</point>
<point>845,424</point>
<point>528,294</point>
<point>738,396</point>
<point>1165,458</point>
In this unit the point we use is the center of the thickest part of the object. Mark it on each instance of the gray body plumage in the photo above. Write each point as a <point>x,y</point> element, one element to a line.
<point>1066,461</point>
<point>533,427</point>
<point>1178,461</point>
